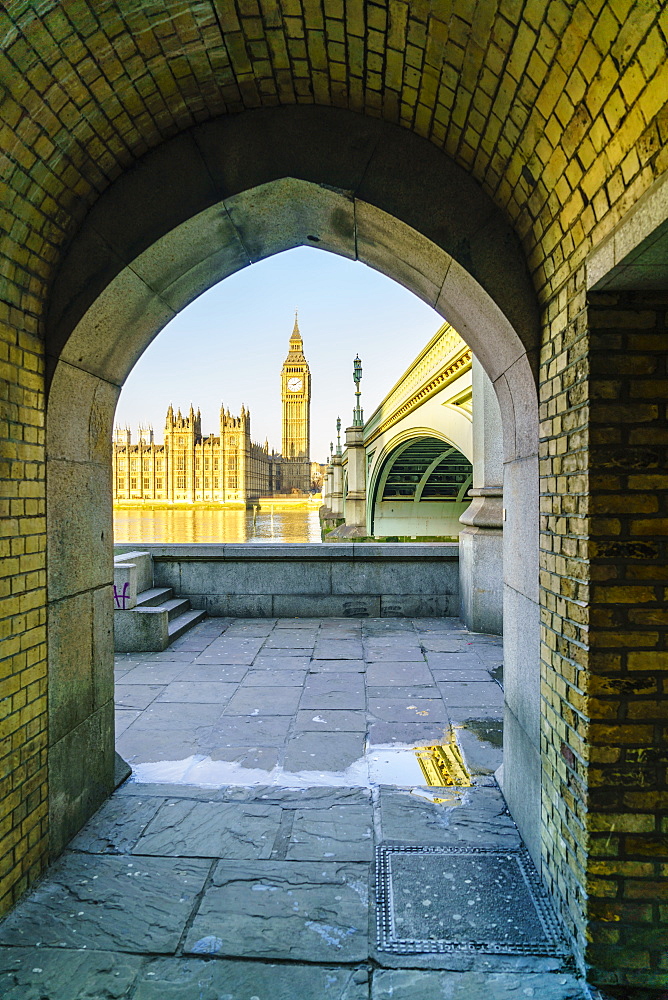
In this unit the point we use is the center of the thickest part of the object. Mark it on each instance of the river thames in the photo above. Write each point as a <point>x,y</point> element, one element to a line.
<point>172,526</point>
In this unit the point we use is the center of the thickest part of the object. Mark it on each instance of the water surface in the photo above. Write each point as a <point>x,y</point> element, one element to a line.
<point>193,525</point>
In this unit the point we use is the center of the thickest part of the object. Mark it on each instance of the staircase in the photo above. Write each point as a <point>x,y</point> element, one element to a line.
<point>147,619</point>
<point>180,616</point>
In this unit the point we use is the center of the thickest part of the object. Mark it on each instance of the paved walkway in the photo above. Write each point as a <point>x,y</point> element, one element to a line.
<point>270,758</point>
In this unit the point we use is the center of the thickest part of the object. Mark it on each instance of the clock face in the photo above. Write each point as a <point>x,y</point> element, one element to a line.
<point>294,384</point>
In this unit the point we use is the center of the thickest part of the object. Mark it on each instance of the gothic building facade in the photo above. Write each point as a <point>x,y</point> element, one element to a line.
<point>229,468</point>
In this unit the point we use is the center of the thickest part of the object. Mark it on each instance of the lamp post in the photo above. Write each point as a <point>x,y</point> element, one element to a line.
<point>338,435</point>
<point>358,416</point>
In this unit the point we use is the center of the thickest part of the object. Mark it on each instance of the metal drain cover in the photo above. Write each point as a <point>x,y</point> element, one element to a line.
<point>443,899</point>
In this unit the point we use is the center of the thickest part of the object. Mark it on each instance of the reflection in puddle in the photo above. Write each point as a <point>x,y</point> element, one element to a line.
<point>486,730</point>
<point>405,766</point>
<point>443,765</point>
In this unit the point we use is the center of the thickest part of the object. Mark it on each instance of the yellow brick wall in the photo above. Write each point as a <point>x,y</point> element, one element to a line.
<point>557,109</point>
<point>604,514</point>
<point>23,686</point>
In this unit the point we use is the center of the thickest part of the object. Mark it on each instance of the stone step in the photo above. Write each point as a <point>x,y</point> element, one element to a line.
<point>154,596</point>
<point>176,606</point>
<point>184,622</point>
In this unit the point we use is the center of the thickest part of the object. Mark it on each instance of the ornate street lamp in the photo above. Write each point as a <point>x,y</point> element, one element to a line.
<point>358,416</point>
<point>338,435</point>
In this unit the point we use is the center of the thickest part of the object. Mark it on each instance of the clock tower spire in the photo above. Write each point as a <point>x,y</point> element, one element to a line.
<point>296,401</point>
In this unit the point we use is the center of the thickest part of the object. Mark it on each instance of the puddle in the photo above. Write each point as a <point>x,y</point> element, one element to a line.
<point>497,674</point>
<point>486,730</point>
<point>401,765</point>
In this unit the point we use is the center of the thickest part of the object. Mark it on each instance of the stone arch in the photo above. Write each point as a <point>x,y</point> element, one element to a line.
<point>405,437</point>
<point>391,453</point>
<point>212,200</point>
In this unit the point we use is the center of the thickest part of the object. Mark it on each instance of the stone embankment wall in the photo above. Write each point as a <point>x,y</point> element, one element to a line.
<point>301,580</point>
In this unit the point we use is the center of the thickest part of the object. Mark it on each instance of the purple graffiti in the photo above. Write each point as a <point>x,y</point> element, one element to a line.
<point>120,599</point>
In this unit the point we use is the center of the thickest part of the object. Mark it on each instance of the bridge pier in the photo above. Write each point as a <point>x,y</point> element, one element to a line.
<point>481,537</point>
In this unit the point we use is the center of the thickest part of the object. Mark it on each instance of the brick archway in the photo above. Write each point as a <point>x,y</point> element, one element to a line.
<point>191,213</point>
<point>558,111</point>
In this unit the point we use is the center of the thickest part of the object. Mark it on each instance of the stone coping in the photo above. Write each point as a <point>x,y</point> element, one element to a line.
<point>295,551</point>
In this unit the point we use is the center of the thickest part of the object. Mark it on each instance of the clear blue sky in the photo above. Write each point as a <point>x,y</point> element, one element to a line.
<point>228,346</point>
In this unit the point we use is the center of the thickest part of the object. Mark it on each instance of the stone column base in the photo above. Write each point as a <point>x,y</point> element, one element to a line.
<point>481,562</point>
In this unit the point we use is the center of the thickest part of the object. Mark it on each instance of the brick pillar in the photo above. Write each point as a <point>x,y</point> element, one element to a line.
<point>23,688</point>
<point>627,696</point>
<point>605,672</point>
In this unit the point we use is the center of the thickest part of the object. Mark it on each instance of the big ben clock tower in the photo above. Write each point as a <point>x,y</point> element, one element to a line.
<point>296,399</point>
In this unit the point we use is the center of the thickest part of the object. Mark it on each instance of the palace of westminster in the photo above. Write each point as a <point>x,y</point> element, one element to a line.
<point>230,468</point>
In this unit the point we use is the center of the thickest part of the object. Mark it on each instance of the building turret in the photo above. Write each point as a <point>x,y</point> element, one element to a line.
<point>123,437</point>
<point>145,434</point>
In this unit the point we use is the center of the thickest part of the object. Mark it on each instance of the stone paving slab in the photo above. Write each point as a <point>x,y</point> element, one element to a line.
<point>125,718</point>
<point>323,797</point>
<point>241,656</point>
<point>197,979</point>
<point>190,829</point>
<point>458,675</point>
<point>474,695</point>
<point>385,625</point>
<point>169,790</point>
<point>398,672</point>
<point>339,632</point>
<point>314,923</point>
<point>420,733</point>
<point>337,833</point>
<point>323,751</point>
<point>109,904</point>
<point>173,714</point>
<point>393,654</point>
<point>264,662</point>
<point>192,645</point>
<point>475,817</point>
<point>455,661</point>
<point>198,692</point>
<point>222,673</point>
<point>137,696</point>
<point>115,829</point>
<point>312,624</point>
<point>402,693</point>
<point>264,700</point>
<point>416,710</point>
<point>275,677</point>
<point>413,984</point>
<point>264,758</point>
<point>330,720</point>
<point>291,638</point>
<point>251,630</point>
<point>148,745</point>
<point>442,644</point>
<point>153,673</point>
<point>172,655</point>
<point>481,742</point>
<point>334,690</point>
<point>302,910</point>
<point>65,974</point>
<point>337,666</point>
<point>242,731</point>
<point>338,649</point>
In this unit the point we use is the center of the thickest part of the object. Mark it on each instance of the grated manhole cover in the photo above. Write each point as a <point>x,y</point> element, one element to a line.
<point>442,899</point>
